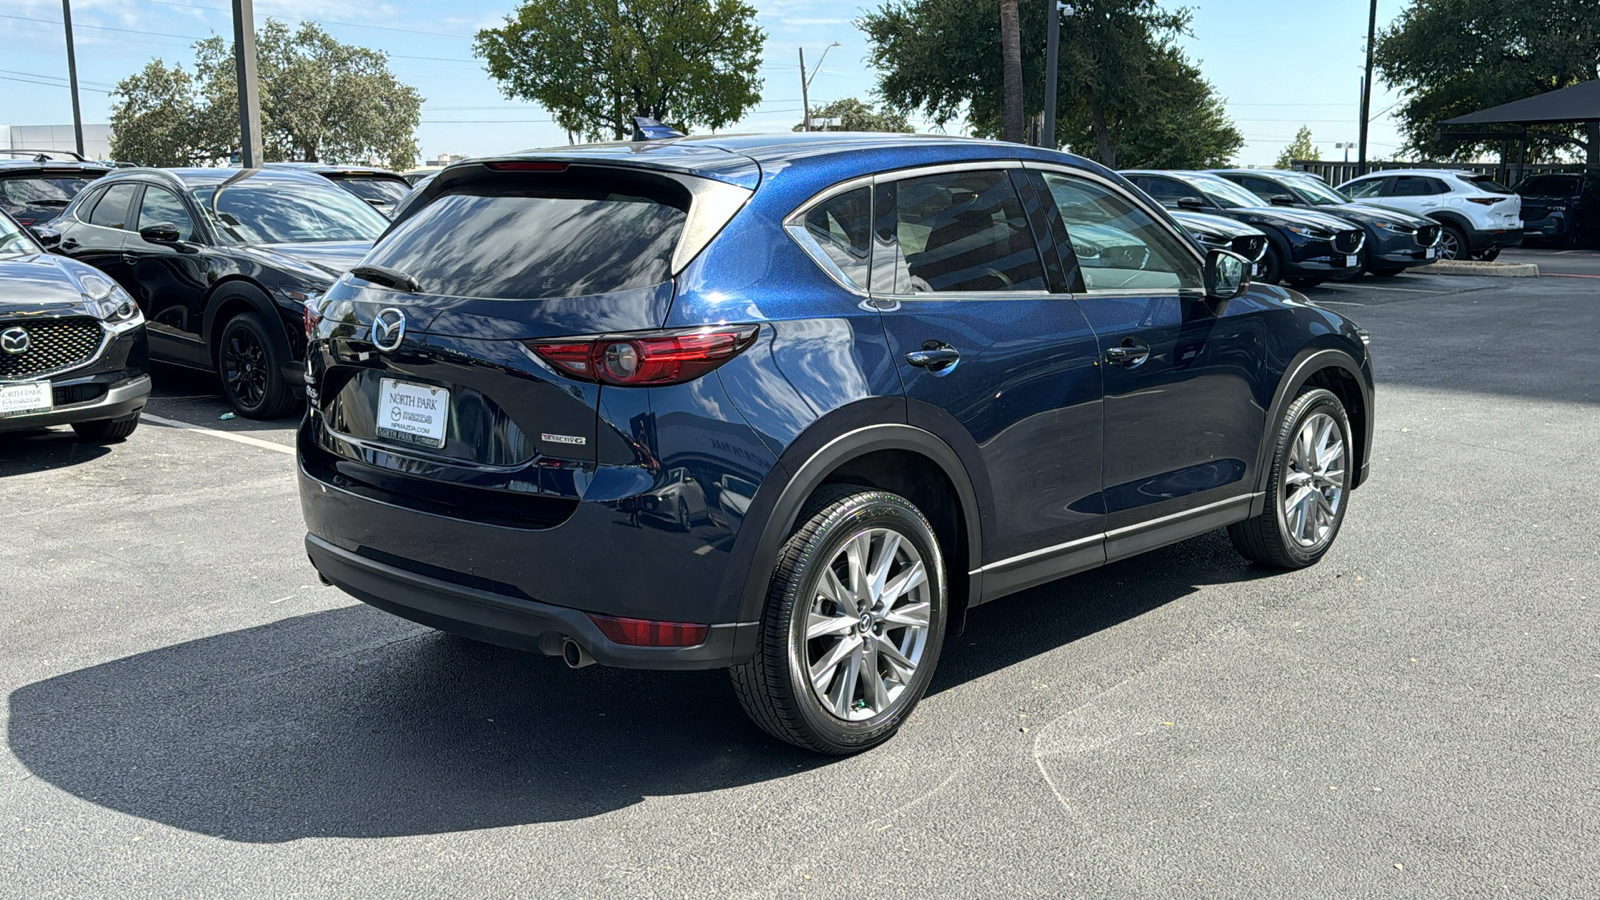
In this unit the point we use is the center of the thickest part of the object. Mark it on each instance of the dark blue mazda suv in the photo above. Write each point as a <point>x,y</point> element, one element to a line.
<point>792,404</point>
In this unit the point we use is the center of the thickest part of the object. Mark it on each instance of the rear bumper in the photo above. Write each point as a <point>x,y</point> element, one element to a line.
<point>1483,240</point>
<point>512,621</point>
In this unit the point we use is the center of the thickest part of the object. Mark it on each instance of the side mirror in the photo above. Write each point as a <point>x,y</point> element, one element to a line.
<point>1227,277</point>
<point>161,233</point>
<point>1190,203</point>
<point>1281,200</point>
<point>48,237</point>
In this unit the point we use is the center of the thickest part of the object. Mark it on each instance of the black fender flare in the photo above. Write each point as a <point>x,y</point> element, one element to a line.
<point>1451,217</point>
<point>1305,364</point>
<point>252,294</point>
<point>808,467</point>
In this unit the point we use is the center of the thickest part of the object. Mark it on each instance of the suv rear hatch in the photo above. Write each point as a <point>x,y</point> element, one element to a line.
<point>462,418</point>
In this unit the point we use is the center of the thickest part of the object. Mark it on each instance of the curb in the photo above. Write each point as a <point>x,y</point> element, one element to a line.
<point>1474,267</point>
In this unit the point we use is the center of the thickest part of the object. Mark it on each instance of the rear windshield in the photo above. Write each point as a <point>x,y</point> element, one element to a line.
<point>1488,184</point>
<point>567,236</point>
<point>54,191</point>
<point>1551,185</point>
<point>383,190</point>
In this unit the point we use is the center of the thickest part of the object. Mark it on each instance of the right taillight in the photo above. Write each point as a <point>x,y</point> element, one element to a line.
<point>1485,201</point>
<point>646,358</point>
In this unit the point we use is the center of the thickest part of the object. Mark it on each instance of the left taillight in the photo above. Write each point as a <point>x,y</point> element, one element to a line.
<point>646,358</point>
<point>312,319</point>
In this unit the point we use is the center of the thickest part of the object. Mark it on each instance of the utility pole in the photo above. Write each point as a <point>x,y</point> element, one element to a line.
<point>244,54</point>
<point>1366,90</point>
<point>805,83</point>
<point>1052,60</point>
<point>72,75</point>
<point>805,100</point>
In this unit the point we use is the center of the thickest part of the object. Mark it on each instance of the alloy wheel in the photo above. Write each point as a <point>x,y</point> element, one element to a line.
<point>867,625</point>
<point>245,368</point>
<point>1314,481</point>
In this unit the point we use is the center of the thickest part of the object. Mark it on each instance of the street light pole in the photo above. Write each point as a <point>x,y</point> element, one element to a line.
<point>1052,57</point>
<point>72,76</point>
<point>805,83</point>
<point>1366,90</point>
<point>244,55</point>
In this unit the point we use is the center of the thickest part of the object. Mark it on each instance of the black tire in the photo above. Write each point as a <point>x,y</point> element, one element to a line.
<point>1272,266</point>
<point>684,521</point>
<point>1305,284</point>
<point>106,431</point>
<point>772,688</point>
<point>1490,255</point>
<point>251,370</point>
<point>1453,243</point>
<point>1265,539</point>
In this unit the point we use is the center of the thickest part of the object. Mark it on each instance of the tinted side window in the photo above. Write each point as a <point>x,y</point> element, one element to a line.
<point>1415,186</point>
<point>1361,189</point>
<point>1168,192</point>
<point>839,229</point>
<point>163,206</point>
<point>112,210</point>
<point>1264,188</point>
<point>1118,245</point>
<point>965,231</point>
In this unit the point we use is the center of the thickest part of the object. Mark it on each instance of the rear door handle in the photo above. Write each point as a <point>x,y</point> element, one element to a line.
<point>1130,353</point>
<point>935,356</point>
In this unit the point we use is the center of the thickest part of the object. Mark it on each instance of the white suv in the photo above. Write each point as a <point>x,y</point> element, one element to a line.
<point>1479,216</point>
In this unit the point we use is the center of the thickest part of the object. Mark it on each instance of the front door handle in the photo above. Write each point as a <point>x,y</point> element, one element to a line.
<point>935,356</point>
<point>69,244</point>
<point>1131,353</point>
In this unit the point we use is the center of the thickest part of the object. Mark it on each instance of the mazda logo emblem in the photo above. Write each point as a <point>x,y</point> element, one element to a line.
<point>388,330</point>
<point>14,341</point>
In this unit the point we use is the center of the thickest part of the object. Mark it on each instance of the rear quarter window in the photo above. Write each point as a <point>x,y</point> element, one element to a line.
<point>1486,183</point>
<point>557,237</point>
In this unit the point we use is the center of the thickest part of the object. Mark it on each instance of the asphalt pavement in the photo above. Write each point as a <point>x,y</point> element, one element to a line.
<point>189,713</point>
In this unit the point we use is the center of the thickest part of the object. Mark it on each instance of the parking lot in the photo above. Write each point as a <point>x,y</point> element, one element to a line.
<point>190,713</point>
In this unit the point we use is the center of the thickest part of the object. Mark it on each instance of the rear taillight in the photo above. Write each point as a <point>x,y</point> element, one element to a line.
<point>1486,201</point>
<point>646,358</point>
<point>649,632</point>
<point>24,222</point>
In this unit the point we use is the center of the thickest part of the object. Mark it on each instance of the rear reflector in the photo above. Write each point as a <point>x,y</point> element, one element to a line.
<point>649,632</point>
<point>647,358</point>
<point>527,166</point>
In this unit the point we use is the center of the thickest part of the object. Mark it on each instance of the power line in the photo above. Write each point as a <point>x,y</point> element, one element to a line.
<point>49,84</point>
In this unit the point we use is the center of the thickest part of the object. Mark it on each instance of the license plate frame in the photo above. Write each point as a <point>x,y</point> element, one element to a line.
<point>412,413</point>
<point>26,398</point>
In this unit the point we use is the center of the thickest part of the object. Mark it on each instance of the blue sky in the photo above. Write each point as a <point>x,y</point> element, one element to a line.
<point>1278,65</point>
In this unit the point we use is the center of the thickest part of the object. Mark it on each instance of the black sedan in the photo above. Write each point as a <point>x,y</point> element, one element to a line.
<point>1396,240</point>
<point>1219,233</point>
<point>381,188</point>
<point>1304,247</point>
<point>72,344</point>
<point>223,261</point>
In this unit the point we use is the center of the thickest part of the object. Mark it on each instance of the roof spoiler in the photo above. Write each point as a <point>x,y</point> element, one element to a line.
<point>648,129</point>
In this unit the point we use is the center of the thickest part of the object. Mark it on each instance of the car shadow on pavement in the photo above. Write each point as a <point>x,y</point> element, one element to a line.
<point>25,453</point>
<point>352,723</point>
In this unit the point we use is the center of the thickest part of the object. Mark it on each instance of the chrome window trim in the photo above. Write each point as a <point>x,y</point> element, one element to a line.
<point>794,225</point>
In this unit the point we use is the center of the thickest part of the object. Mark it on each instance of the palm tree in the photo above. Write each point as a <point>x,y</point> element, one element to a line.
<point>1011,65</point>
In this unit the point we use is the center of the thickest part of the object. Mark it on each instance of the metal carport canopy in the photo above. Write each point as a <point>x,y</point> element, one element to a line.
<point>1578,103</point>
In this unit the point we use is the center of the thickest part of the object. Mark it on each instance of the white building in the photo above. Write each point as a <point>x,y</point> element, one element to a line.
<point>96,139</point>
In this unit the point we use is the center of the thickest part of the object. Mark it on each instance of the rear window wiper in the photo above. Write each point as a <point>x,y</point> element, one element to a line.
<point>387,277</point>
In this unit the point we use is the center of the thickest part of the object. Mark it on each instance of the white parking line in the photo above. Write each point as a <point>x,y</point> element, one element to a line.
<point>1373,287</point>
<point>227,436</point>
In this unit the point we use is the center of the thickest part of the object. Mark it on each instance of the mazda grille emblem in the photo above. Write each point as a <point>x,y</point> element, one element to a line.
<point>388,330</point>
<point>14,341</point>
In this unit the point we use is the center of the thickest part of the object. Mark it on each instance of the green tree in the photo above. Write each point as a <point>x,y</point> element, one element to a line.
<point>1127,95</point>
<point>1452,57</point>
<point>596,64</point>
<point>858,115</point>
<point>153,116</point>
<point>1299,148</point>
<point>320,100</point>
